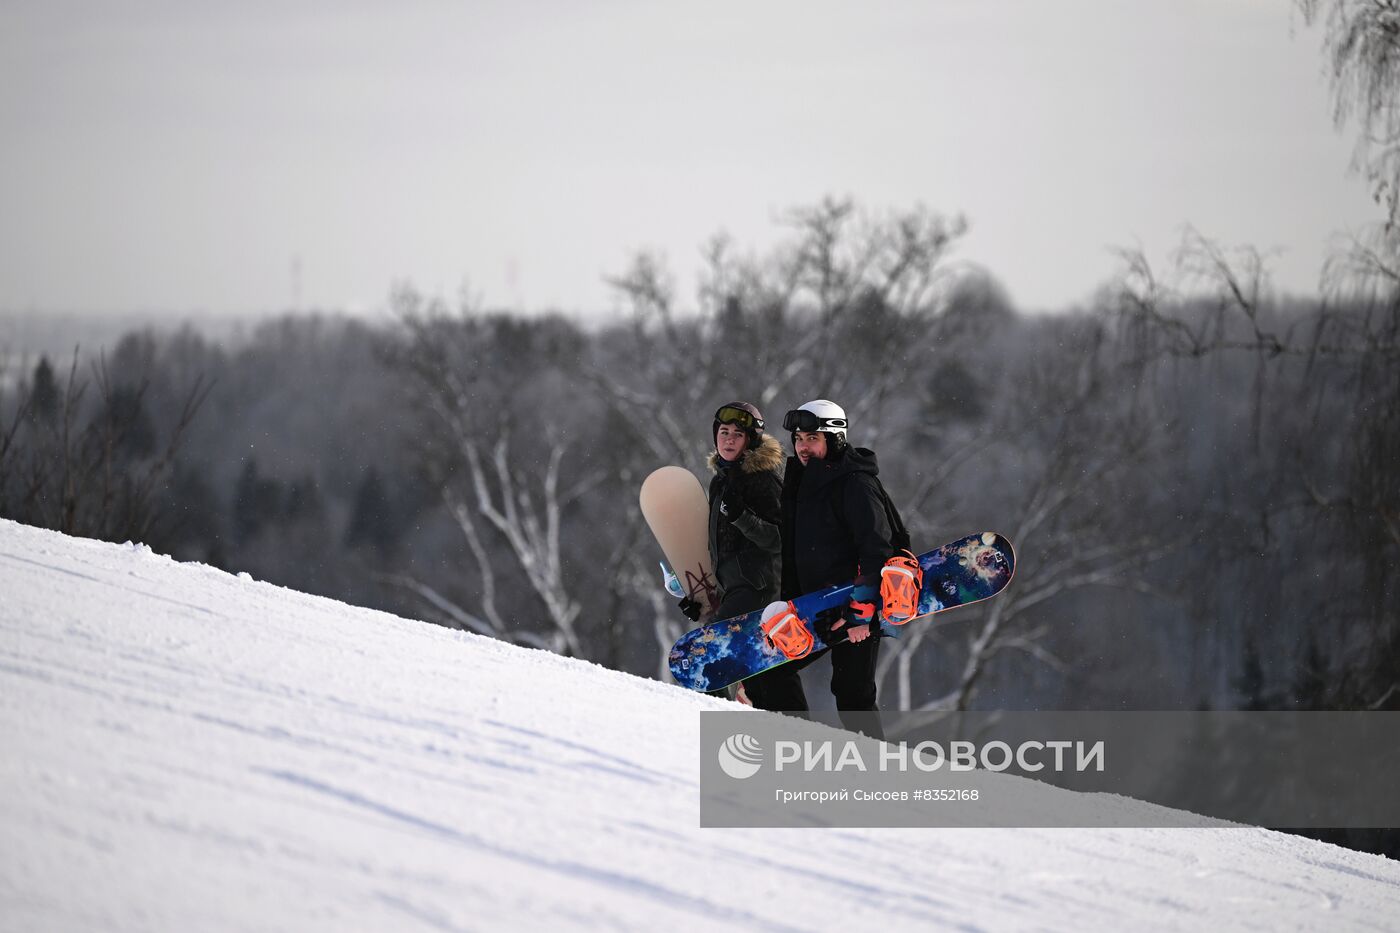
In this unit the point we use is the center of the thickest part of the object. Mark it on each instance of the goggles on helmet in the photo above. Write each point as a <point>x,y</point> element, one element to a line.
<point>744,419</point>
<point>804,421</point>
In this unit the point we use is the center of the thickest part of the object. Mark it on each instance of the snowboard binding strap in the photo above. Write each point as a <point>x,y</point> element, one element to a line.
<point>785,630</point>
<point>901,579</point>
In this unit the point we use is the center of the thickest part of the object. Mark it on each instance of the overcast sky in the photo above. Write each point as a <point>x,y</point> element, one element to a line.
<point>185,156</point>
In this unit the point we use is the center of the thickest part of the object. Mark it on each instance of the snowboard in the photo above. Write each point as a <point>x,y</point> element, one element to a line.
<point>678,514</point>
<point>721,653</point>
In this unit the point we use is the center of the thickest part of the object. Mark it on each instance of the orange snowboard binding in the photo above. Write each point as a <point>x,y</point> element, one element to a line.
<point>786,631</point>
<point>901,579</point>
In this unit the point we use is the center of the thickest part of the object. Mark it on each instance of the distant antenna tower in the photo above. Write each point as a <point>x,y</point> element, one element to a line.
<point>296,282</point>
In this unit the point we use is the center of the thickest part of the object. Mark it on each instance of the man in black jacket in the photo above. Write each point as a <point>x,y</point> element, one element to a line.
<point>835,529</point>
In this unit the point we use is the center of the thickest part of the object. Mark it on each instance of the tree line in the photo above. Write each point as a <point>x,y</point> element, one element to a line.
<point>1197,473</point>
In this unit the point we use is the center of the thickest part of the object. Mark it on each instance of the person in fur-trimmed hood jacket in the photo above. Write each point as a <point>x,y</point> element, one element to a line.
<point>745,510</point>
<point>746,547</point>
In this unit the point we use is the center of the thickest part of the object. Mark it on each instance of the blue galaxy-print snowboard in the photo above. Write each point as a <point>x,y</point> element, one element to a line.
<point>722,653</point>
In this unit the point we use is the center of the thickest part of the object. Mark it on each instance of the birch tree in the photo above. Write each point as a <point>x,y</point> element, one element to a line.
<point>509,507</point>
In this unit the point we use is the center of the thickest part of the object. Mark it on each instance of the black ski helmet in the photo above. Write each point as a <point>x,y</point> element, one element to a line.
<point>743,414</point>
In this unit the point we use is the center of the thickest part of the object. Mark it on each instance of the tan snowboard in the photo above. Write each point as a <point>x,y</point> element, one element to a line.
<point>675,507</point>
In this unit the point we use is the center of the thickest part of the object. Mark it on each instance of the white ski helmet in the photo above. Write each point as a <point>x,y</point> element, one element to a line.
<point>817,415</point>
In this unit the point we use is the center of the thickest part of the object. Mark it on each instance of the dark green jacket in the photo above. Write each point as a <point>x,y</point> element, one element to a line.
<point>747,552</point>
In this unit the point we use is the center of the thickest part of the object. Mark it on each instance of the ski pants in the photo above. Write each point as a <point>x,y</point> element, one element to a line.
<point>852,683</point>
<point>739,600</point>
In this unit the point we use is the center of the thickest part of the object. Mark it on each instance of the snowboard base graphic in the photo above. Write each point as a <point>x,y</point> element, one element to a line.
<point>722,653</point>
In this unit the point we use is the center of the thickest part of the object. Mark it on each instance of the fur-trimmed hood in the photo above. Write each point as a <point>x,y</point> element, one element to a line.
<point>768,455</point>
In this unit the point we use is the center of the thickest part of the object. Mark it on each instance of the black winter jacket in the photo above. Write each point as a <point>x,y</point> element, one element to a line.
<point>747,552</point>
<point>834,526</point>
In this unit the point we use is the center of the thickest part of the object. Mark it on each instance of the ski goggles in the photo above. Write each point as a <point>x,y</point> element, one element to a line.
<point>806,422</point>
<point>744,419</point>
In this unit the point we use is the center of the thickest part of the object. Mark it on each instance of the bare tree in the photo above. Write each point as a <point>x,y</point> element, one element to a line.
<point>1072,436</point>
<point>88,471</point>
<point>842,309</point>
<point>487,489</point>
<point>1326,396</point>
<point>1362,45</point>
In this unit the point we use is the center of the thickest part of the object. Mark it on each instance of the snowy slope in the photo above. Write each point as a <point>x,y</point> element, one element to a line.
<point>186,749</point>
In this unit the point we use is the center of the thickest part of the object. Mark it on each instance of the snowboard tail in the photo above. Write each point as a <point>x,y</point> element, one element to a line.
<point>721,653</point>
<point>677,512</point>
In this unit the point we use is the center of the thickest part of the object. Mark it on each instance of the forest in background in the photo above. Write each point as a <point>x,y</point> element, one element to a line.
<point>1197,473</point>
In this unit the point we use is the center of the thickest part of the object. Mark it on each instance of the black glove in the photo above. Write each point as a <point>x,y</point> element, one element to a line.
<point>691,608</point>
<point>829,625</point>
<point>731,503</point>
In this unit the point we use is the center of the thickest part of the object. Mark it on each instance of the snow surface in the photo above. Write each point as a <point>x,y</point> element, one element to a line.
<point>187,749</point>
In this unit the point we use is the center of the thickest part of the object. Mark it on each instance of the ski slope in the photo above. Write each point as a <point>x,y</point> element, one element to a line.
<point>187,749</point>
